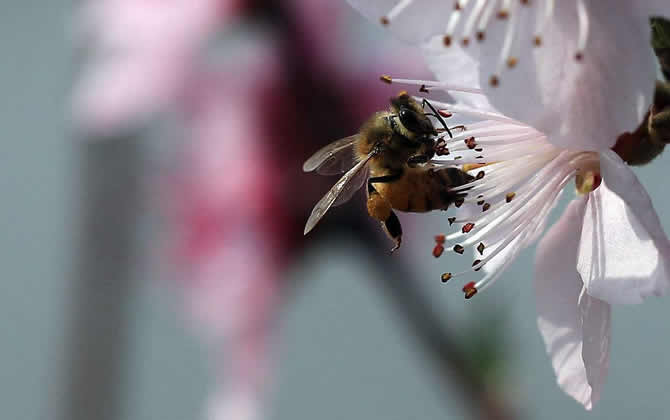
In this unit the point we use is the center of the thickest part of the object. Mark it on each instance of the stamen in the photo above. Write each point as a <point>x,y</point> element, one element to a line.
<point>429,84</point>
<point>397,9</point>
<point>542,22</point>
<point>583,18</point>
<point>510,34</point>
<point>472,19</point>
<point>484,21</point>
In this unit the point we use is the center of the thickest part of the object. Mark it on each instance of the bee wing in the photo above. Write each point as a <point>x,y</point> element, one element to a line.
<point>334,158</point>
<point>342,191</point>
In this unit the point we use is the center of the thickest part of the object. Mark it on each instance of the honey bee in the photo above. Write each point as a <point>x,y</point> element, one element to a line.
<point>392,154</point>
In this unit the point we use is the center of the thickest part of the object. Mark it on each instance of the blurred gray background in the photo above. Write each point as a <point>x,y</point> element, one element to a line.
<point>342,352</point>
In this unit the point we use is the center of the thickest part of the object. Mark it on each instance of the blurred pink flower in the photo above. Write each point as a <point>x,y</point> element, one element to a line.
<point>228,226</point>
<point>140,53</point>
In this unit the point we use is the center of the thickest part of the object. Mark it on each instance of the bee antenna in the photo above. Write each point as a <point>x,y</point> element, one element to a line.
<point>437,115</point>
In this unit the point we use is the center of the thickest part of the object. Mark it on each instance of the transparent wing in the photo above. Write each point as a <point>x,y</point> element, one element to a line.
<point>345,188</point>
<point>350,188</point>
<point>334,158</point>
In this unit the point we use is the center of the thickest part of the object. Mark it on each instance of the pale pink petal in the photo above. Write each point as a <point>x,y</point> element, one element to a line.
<point>623,253</point>
<point>573,331</point>
<point>418,21</point>
<point>581,104</point>
<point>596,332</point>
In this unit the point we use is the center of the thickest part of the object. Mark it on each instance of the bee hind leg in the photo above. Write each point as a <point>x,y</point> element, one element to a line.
<point>393,229</point>
<point>380,209</point>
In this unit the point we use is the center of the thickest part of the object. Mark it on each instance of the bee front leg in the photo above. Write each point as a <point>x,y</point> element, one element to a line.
<point>380,209</point>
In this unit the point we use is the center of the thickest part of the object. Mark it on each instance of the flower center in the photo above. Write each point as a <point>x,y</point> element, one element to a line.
<point>587,178</point>
<point>471,18</point>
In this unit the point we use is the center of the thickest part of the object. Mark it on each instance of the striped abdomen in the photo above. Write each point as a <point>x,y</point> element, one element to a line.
<point>421,190</point>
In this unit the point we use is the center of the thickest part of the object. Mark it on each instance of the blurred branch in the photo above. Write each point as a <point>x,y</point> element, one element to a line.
<point>109,196</point>
<point>446,353</point>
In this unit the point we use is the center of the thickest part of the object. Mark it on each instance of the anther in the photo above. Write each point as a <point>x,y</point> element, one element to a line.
<point>451,220</point>
<point>479,149</point>
<point>475,263</point>
<point>423,89</point>
<point>384,20</point>
<point>386,78</point>
<point>579,56</point>
<point>470,290</point>
<point>480,202</point>
<point>438,250</point>
<point>470,142</point>
<point>486,206</point>
<point>525,2</point>
<point>440,239</point>
<point>494,81</point>
<point>446,40</point>
<point>511,62</point>
<point>481,248</point>
<point>480,36</point>
<point>465,42</point>
<point>467,227</point>
<point>445,277</point>
<point>458,249</point>
<point>457,6</point>
<point>537,40</point>
<point>480,175</point>
<point>509,197</point>
<point>445,113</point>
<point>459,202</point>
<point>503,14</point>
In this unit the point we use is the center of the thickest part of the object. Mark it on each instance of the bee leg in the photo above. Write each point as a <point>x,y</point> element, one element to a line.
<point>380,209</point>
<point>393,229</point>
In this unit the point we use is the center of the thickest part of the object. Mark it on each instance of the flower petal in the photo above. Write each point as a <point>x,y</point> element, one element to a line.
<point>581,104</point>
<point>418,21</point>
<point>575,332</point>
<point>623,252</point>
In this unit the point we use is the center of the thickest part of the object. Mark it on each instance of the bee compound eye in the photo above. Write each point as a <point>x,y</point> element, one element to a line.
<point>414,122</point>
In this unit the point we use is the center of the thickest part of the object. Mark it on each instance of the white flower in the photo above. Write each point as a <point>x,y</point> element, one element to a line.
<point>570,77</point>
<point>584,103</point>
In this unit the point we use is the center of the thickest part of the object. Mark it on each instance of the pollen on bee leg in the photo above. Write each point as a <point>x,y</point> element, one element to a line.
<point>470,290</point>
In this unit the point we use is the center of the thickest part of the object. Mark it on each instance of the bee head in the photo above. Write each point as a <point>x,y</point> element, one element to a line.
<point>413,121</point>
